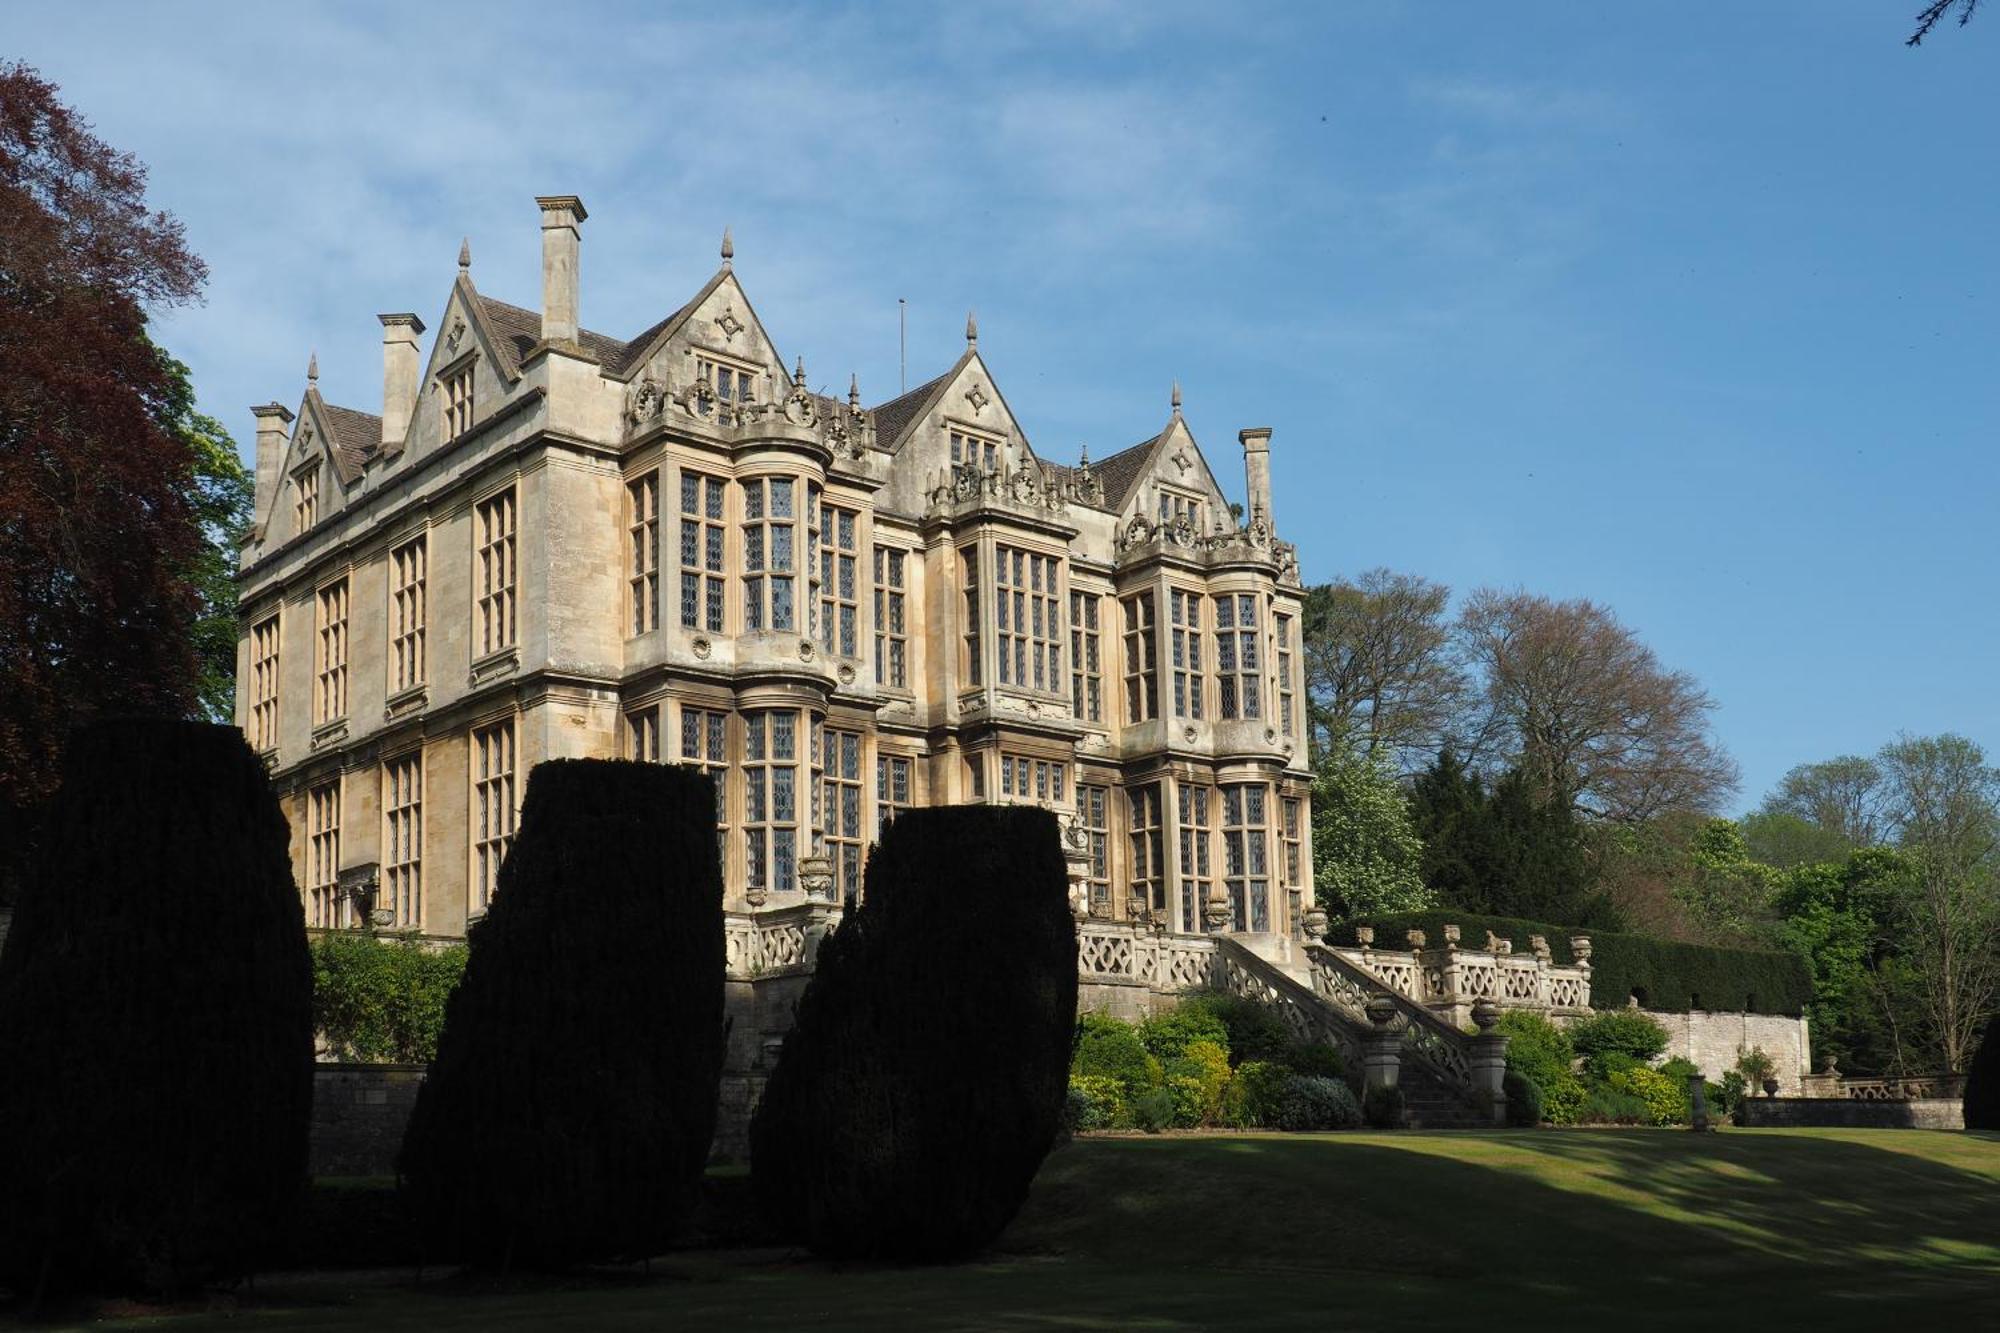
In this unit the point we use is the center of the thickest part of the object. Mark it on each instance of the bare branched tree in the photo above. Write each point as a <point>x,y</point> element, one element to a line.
<point>1943,806</point>
<point>1588,711</point>
<point>1842,796</point>
<point>1936,12</point>
<point>1382,674</point>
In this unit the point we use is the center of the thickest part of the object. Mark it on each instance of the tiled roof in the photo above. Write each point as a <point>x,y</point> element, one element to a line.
<point>1121,472</point>
<point>356,435</point>
<point>894,417</point>
<point>518,331</point>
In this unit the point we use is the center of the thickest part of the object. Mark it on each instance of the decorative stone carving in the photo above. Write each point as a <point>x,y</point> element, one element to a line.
<point>846,674</point>
<point>727,324</point>
<point>1215,912</point>
<point>1485,1014</point>
<point>1416,939</point>
<point>976,397</point>
<point>816,877</point>
<point>1539,945</point>
<point>702,646</point>
<point>806,650</point>
<point>645,400</point>
<point>1313,924</point>
<point>1451,937</point>
<point>1364,936</point>
<point>1579,949</point>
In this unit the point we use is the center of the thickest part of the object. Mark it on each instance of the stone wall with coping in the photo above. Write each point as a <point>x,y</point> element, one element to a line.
<point>1848,1113</point>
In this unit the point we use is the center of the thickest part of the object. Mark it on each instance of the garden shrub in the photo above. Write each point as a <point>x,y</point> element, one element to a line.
<point>1311,1103</point>
<point>1108,1048</point>
<point>155,1020</point>
<point>1315,1058</point>
<point>1540,1052</point>
<point>1251,1101</point>
<point>1170,1034</point>
<point>382,999</point>
<point>1382,1108</point>
<point>1665,1100</point>
<point>1627,1031</point>
<point>1670,976</point>
<point>1524,1099</point>
<point>1253,1028</point>
<point>568,1115</point>
<point>1199,1077</point>
<point>905,1130</point>
<point>1153,1110</point>
<point>1096,1102</point>
<point>1605,1105</point>
<point>1755,1066</point>
<point>1982,1081</point>
<point>1599,1066</point>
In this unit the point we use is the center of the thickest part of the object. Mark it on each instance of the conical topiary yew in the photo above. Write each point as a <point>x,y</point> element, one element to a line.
<point>156,1039</point>
<point>923,1081</point>
<point>568,1115</point>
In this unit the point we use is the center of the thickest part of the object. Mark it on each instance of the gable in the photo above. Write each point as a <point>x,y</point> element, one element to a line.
<point>720,325</point>
<point>1171,463</point>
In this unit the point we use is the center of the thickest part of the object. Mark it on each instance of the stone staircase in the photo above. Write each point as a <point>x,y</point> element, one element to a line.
<point>1323,998</point>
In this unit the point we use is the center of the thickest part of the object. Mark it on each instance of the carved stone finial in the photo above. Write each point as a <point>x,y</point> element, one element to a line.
<point>1083,463</point>
<point>312,369</point>
<point>1364,936</point>
<point>465,254</point>
<point>1485,1014</point>
<point>971,330</point>
<point>854,392</point>
<point>1177,397</point>
<point>728,248</point>
<point>799,373</point>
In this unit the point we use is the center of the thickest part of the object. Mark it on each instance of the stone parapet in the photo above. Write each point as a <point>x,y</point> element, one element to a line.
<point>1849,1113</point>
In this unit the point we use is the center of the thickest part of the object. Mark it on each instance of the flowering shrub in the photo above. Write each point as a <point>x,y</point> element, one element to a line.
<point>1309,1103</point>
<point>1663,1100</point>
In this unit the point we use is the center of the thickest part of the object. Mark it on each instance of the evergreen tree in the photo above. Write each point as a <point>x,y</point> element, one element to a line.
<point>923,1080</point>
<point>569,1112</point>
<point>1982,1082</point>
<point>155,1020</point>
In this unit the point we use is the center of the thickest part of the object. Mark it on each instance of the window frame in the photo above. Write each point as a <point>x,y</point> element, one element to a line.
<point>496,562</point>
<point>409,614</point>
<point>642,553</point>
<point>703,550</point>
<point>1238,665</point>
<point>1028,622</point>
<point>1141,614</point>
<point>495,807</point>
<point>403,838</point>
<point>332,605</point>
<point>1086,655</point>
<point>891,617</point>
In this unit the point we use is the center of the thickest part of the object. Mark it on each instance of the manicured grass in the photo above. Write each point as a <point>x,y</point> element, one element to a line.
<point>1611,1229</point>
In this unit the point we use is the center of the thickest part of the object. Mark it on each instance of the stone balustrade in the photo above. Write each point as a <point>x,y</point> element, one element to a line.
<point>776,941</point>
<point>1830,1084</point>
<point>1449,979</point>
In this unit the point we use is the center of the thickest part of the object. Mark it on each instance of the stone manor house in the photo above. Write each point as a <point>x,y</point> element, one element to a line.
<point>556,543</point>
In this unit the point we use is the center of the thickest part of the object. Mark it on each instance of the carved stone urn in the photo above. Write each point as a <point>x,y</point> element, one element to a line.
<point>1381,1010</point>
<point>1485,1014</point>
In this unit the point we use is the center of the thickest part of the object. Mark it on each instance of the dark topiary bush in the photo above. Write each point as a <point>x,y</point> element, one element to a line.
<point>1982,1082</point>
<point>1618,1031</point>
<point>155,1020</point>
<point>920,1086</point>
<point>1382,1108</point>
<point>1524,1100</point>
<point>570,1109</point>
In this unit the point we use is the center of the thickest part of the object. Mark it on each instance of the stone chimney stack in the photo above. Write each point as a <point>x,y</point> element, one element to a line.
<point>562,215</point>
<point>1256,441</point>
<point>272,418</point>
<point>400,366</point>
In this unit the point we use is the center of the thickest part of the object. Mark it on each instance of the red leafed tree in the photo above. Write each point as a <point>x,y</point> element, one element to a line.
<point>98,533</point>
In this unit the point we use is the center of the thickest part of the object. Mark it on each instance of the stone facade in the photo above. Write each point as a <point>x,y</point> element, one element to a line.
<point>554,543</point>
<point>1713,1041</point>
<point>359,1113</point>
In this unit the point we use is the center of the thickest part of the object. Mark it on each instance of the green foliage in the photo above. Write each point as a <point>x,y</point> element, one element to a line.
<point>1840,917</point>
<point>1382,1108</point>
<point>155,1020</point>
<point>1665,1100</point>
<point>907,1130</point>
<point>1524,1099</point>
<point>1727,1095</point>
<point>1784,840</point>
<point>1541,1052</point>
<point>1168,1035</point>
<point>1605,1105</point>
<point>1198,1077</point>
<point>569,1112</point>
<point>1755,1066</point>
<point>1153,1110</point>
<point>1253,1029</point>
<point>1316,1059</point>
<point>1308,1103</point>
<point>1503,852</point>
<point>1366,855</point>
<point>1982,1082</point>
<point>220,494</point>
<point>1099,1102</point>
<point>1726,892</point>
<point>382,999</point>
<point>1625,1031</point>
<point>1109,1048</point>
<point>1663,975</point>
<point>1254,1094</point>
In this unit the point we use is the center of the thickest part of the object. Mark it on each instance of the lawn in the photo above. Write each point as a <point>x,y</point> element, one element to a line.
<point>1608,1229</point>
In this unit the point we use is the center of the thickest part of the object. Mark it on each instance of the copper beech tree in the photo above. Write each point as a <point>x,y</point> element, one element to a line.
<point>100,526</point>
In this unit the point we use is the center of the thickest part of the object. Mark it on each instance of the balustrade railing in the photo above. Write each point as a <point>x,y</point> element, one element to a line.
<point>1441,1048</point>
<point>1305,1014</point>
<point>1112,953</point>
<point>776,941</point>
<point>1449,979</point>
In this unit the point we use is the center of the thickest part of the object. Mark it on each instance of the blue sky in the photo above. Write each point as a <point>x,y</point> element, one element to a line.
<point>1686,308</point>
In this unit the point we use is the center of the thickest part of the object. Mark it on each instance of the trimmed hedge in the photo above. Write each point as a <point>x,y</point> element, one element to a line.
<point>570,1109</point>
<point>1664,975</point>
<point>1982,1081</point>
<point>923,1080</point>
<point>155,1021</point>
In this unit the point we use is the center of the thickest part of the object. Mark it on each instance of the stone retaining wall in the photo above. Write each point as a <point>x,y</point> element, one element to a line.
<point>1848,1113</point>
<point>358,1115</point>
<point>1713,1041</point>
